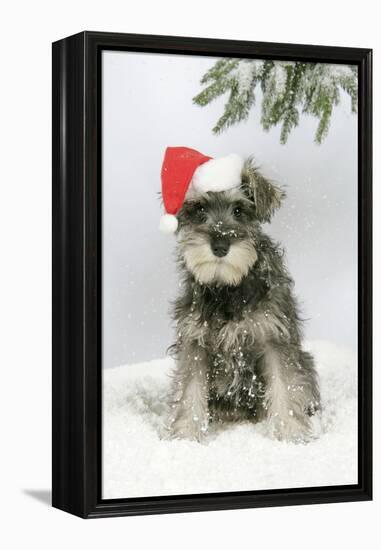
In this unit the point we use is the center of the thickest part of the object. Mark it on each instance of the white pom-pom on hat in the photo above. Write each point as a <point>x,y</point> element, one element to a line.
<point>168,224</point>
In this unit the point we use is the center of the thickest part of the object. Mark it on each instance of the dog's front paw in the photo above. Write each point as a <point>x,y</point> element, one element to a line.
<point>290,429</point>
<point>193,428</point>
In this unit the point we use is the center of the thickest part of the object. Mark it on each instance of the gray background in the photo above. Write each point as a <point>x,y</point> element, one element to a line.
<point>147,105</point>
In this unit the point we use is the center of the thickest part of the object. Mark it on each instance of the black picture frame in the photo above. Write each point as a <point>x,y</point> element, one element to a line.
<point>77,254</point>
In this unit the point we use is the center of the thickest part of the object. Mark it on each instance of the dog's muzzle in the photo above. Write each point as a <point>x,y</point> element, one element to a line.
<point>220,246</point>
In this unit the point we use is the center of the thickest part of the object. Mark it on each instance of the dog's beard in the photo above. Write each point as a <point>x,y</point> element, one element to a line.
<point>208,269</point>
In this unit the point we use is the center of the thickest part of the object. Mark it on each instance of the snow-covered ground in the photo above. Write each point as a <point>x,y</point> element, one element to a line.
<point>136,462</point>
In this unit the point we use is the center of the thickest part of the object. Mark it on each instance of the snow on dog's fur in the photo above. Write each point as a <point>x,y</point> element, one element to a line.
<point>238,351</point>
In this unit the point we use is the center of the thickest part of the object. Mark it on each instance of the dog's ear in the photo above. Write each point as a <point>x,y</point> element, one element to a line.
<point>267,196</point>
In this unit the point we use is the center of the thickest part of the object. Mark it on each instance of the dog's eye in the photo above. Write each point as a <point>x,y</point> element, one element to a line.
<point>198,212</point>
<point>237,212</point>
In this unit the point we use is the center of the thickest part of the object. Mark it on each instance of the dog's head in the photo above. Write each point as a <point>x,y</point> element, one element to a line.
<point>217,230</point>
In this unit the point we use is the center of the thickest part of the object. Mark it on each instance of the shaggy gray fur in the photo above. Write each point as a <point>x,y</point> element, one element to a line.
<point>238,351</point>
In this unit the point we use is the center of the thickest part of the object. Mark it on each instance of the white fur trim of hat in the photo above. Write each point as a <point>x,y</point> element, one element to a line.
<point>218,174</point>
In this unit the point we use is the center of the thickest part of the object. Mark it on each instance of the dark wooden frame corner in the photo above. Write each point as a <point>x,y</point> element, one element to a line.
<point>77,468</point>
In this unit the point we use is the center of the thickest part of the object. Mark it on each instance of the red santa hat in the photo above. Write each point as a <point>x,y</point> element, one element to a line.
<point>185,170</point>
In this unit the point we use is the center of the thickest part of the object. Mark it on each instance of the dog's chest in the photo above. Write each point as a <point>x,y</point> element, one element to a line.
<point>218,306</point>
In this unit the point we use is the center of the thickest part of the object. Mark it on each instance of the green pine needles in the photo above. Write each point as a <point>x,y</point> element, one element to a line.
<point>289,89</point>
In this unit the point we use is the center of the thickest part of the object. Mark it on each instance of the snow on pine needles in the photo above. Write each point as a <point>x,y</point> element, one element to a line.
<point>136,462</point>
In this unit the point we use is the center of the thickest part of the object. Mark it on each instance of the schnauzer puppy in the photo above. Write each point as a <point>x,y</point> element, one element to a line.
<point>238,350</point>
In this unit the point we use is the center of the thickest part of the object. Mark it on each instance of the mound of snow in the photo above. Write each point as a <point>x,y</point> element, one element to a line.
<point>240,457</point>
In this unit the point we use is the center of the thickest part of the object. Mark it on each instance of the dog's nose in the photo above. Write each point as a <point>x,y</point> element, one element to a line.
<point>220,247</point>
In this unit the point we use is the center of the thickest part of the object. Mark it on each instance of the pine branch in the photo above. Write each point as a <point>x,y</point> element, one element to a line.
<point>289,89</point>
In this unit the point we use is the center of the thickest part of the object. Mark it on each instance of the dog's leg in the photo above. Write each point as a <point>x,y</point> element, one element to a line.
<point>292,391</point>
<point>189,415</point>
